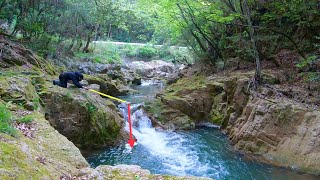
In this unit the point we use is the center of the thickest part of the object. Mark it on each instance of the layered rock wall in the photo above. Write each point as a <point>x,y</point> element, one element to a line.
<point>283,131</point>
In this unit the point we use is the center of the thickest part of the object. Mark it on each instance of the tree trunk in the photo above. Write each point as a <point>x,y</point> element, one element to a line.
<point>209,41</point>
<point>86,48</point>
<point>80,43</point>
<point>72,44</point>
<point>203,48</point>
<point>253,42</point>
<point>110,32</point>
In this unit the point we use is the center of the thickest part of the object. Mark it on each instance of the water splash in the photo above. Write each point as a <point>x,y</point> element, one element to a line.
<point>176,156</point>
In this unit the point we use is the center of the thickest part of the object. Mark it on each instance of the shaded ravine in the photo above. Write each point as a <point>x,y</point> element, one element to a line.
<point>204,151</point>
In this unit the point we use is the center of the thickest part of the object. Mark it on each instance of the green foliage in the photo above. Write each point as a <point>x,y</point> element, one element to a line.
<point>307,62</point>
<point>314,77</point>
<point>214,30</point>
<point>129,50</point>
<point>310,65</point>
<point>26,119</point>
<point>147,52</point>
<point>36,103</point>
<point>217,118</point>
<point>6,121</point>
<point>91,108</point>
<point>218,29</point>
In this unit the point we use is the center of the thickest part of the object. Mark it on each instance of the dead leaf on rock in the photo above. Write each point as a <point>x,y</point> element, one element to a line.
<point>42,160</point>
<point>27,130</point>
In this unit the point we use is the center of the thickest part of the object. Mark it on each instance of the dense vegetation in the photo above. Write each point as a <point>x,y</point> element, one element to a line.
<point>6,121</point>
<point>215,30</point>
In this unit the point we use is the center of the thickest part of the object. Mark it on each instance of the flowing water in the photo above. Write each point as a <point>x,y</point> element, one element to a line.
<point>204,151</point>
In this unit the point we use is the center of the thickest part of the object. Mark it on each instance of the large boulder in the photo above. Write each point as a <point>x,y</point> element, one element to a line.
<point>186,103</point>
<point>131,77</point>
<point>85,118</point>
<point>114,72</point>
<point>109,86</point>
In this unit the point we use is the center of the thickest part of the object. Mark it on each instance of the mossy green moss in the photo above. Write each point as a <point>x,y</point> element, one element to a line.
<point>18,164</point>
<point>157,108</point>
<point>217,118</point>
<point>26,119</point>
<point>184,84</point>
<point>6,121</point>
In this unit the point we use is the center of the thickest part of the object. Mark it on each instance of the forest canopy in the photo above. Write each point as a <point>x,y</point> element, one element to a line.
<point>215,30</point>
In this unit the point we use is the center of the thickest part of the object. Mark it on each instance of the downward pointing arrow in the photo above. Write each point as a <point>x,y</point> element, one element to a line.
<point>131,141</point>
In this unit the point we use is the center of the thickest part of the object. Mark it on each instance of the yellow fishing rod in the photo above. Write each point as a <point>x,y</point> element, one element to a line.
<point>108,96</point>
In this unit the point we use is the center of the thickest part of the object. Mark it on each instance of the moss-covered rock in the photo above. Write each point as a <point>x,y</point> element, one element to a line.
<point>48,155</point>
<point>108,86</point>
<point>17,88</point>
<point>186,103</point>
<point>85,118</point>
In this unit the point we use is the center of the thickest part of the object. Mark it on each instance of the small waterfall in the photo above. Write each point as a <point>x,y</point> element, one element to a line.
<point>171,148</point>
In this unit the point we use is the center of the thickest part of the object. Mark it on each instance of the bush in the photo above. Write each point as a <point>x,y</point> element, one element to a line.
<point>6,121</point>
<point>147,52</point>
<point>36,104</point>
<point>106,53</point>
<point>129,51</point>
<point>311,67</point>
<point>26,119</point>
<point>164,53</point>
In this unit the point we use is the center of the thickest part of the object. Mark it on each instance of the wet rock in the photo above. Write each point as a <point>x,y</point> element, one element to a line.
<point>29,106</point>
<point>280,130</point>
<point>94,87</point>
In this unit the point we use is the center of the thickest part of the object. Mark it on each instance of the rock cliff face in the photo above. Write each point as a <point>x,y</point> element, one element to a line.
<point>283,131</point>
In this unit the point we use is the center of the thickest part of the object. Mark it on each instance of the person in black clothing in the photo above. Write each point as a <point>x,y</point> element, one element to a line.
<point>64,77</point>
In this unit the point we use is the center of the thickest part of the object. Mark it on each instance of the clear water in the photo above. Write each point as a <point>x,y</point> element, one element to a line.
<point>204,151</point>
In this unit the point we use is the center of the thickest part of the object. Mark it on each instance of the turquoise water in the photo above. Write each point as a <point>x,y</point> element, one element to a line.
<point>201,152</point>
<point>204,151</point>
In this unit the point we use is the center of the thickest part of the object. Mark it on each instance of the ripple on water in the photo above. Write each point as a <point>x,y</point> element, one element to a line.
<point>202,152</point>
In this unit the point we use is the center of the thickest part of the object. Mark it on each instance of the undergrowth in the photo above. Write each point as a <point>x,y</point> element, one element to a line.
<point>6,122</point>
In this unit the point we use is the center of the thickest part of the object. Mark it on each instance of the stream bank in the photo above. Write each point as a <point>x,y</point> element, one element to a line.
<point>283,131</point>
<point>204,151</point>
